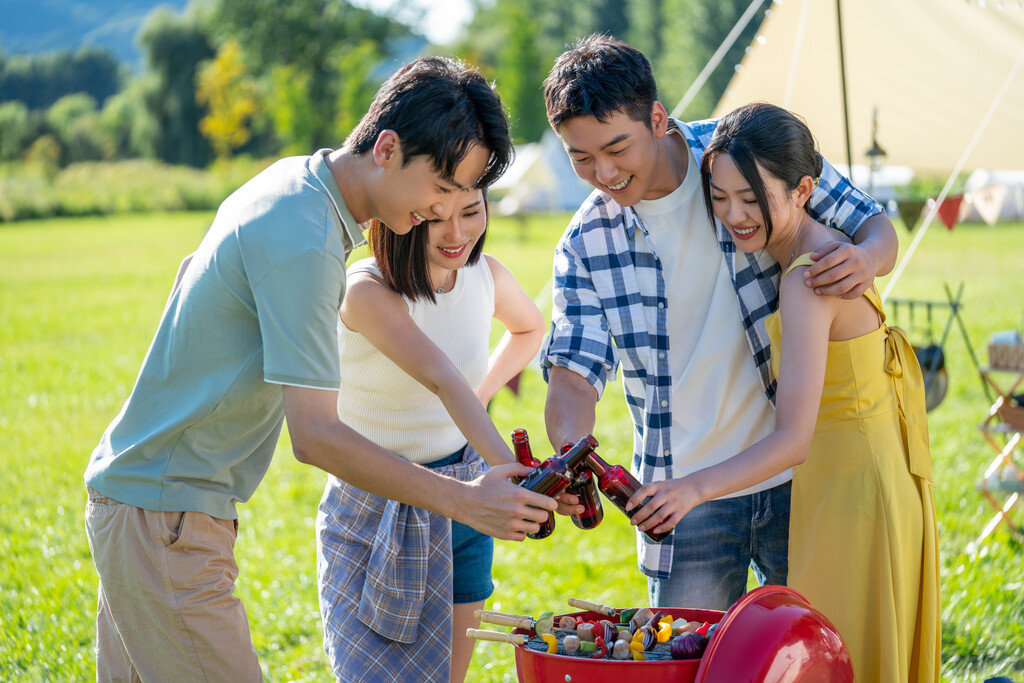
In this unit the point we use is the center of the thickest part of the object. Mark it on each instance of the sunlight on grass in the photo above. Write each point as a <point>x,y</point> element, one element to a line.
<point>80,299</point>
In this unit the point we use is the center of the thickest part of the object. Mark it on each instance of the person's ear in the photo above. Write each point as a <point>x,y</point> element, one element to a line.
<point>803,190</point>
<point>659,119</point>
<point>387,149</point>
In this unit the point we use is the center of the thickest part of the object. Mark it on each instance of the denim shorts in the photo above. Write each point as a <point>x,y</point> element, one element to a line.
<point>716,543</point>
<point>472,552</point>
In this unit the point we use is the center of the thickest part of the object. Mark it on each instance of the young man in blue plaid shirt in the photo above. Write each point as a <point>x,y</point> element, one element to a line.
<point>642,278</point>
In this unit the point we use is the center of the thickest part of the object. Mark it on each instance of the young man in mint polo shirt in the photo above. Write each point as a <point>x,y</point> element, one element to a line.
<point>248,337</point>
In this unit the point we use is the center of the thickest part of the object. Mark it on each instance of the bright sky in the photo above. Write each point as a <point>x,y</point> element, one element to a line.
<point>443,19</point>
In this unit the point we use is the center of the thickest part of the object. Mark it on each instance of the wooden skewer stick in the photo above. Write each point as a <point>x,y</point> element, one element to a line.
<point>481,614</point>
<point>542,625</point>
<point>593,607</point>
<point>497,636</point>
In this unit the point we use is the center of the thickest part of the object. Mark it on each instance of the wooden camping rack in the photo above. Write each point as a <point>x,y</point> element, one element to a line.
<point>953,305</point>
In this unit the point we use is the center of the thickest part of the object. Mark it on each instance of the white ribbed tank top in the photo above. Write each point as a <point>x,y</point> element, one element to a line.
<point>389,407</point>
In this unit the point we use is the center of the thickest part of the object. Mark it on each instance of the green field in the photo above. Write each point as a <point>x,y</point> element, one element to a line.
<point>80,299</point>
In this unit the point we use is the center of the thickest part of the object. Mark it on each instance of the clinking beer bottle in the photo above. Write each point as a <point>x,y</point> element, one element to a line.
<point>584,487</point>
<point>619,486</point>
<point>521,447</point>
<point>555,473</point>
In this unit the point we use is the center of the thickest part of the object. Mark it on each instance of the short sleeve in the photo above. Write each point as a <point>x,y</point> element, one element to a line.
<point>297,305</point>
<point>838,203</point>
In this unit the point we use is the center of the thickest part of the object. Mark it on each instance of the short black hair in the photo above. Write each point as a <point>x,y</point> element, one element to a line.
<point>599,76</point>
<point>402,259</point>
<point>440,108</point>
<point>768,136</point>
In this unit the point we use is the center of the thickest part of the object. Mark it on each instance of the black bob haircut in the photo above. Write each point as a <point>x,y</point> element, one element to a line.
<point>402,259</point>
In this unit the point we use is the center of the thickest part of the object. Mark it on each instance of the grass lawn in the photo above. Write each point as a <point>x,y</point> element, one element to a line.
<point>80,299</point>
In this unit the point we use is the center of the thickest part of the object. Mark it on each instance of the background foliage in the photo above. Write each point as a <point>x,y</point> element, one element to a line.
<point>226,77</point>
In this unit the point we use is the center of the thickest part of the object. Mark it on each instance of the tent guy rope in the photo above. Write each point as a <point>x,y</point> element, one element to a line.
<point>952,176</point>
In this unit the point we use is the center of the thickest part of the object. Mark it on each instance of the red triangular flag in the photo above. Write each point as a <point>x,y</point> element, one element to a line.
<point>513,384</point>
<point>949,210</point>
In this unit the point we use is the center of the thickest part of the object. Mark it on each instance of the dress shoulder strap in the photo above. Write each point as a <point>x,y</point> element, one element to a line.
<point>871,294</point>
<point>801,260</point>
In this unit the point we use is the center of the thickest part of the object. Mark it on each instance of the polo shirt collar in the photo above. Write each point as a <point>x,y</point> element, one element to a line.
<point>351,233</point>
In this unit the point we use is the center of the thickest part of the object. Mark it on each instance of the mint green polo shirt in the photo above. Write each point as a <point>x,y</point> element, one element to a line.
<point>256,308</point>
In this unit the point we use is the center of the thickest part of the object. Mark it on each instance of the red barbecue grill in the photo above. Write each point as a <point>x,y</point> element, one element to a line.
<point>771,635</point>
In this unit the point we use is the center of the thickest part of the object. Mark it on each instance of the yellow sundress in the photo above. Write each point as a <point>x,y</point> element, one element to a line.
<point>863,542</point>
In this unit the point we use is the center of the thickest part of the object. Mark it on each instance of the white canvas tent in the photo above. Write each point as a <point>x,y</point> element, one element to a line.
<point>938,72</point>
<point>942,79</point>
<point>540,179</point>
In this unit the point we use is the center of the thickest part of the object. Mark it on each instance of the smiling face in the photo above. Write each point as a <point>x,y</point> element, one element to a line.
<point>450,242</point>
<point>734,203</point>
<point>621,156</point>
<point>416,192</point>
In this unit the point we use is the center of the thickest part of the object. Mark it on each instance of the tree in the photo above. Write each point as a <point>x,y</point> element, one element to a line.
<point>67,110</point>
<point>308,38</point>
<point>228,91</point>
<point>175,45</point>
<point>357,87</point>
<point>14,130</point>
<point>76,123</point>
<point>40,80</point>
<point>291,109</point>
<point>691,32</point>
<point>128,123</point>
<point>644,22</point>
<point>611,17</point>
<point>678,37</point>
<point>522,72</point>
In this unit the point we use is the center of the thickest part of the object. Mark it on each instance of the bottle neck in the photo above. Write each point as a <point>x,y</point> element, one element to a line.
<point>597,464</point>
<point>521,444</point>
<point>581,450</point>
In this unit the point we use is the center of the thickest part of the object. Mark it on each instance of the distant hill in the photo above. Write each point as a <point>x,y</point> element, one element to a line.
<point>34,26</point>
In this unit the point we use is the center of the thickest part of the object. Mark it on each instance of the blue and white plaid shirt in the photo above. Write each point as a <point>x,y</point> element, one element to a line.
<point>610,307</point>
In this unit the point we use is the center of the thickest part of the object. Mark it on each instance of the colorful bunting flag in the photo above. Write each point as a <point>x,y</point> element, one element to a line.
<point>988,202</point>
<point>910,211</point>
<point>949,210</point>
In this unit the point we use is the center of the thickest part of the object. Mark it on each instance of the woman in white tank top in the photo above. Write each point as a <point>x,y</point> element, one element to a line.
<point>413,335</point>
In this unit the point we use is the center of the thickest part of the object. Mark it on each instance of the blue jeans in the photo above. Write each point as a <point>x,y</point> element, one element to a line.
<point>472,553</point>
<point>717,541</point>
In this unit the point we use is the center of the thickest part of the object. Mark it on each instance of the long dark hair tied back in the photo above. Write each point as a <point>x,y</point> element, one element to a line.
<point>766,136</point>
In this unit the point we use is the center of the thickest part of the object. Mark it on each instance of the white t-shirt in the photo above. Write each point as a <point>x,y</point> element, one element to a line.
<point>718,403</point>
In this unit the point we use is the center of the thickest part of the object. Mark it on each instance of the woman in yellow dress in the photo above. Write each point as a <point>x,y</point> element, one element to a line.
<point>850,418</point>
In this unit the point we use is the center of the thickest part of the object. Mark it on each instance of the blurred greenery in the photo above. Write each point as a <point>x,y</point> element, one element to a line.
<point>80,299</point>
<point>41,189</point>
<point>286,77</point>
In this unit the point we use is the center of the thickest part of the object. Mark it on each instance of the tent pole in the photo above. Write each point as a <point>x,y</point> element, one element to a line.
<point>842,80</point>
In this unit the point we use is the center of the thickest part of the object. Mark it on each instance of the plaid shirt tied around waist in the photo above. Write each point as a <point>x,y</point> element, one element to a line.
<point>610,308</point>
<point>385,575</point>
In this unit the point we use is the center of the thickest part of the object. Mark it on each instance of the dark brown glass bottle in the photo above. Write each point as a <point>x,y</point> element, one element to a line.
<point>618,485</point>
<point>521,447</point>
<point>555,473</point>
<point>584,487</point>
